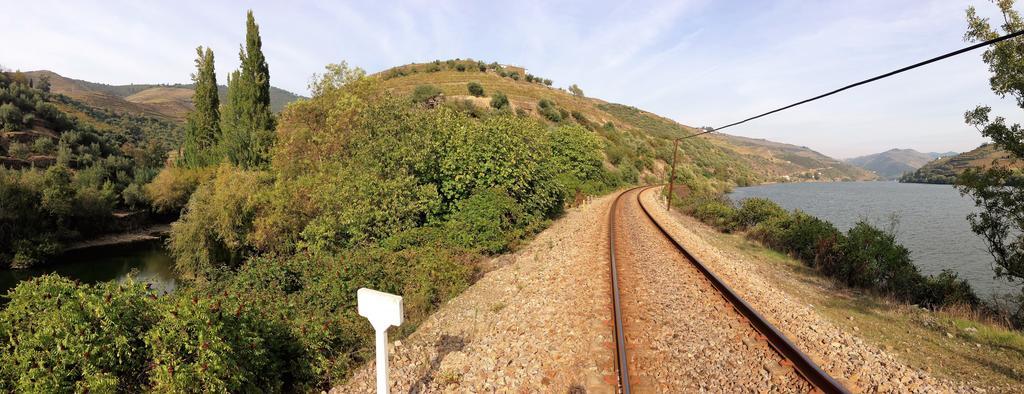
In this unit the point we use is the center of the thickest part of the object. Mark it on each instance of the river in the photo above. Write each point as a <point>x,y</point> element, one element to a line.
<point>146,261</point>
<point>931,221</point>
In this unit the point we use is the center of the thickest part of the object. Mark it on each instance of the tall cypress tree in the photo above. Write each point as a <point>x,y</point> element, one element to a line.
<point>249,131</point>
<point>202,128</point>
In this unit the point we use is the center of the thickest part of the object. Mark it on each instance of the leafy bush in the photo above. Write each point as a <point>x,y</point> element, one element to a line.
<point>475,89</point>
<point>58,336</point>
<point>549,110</point>
<point>422,93</point>
<point>945,289</point>
<point>215,225</point>
<point>872,259</point>
<point>499,100</point>
<point>11,117</point>
<point>806,234</point>
<point>717,213</point>
<point>213,344</point>
<point>488,221</point>
<point>171,188</point>
<point>756,210</point>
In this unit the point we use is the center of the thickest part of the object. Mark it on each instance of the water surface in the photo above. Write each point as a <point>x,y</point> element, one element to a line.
<point>144,261</point>
<point>932,221</point>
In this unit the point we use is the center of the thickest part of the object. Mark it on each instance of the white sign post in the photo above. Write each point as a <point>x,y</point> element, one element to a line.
<point>383,310</point>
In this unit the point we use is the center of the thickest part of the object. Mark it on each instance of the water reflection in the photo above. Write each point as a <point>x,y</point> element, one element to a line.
<point>143,261</point>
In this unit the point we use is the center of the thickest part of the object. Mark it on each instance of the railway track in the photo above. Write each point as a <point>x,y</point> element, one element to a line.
<point>631,296</point>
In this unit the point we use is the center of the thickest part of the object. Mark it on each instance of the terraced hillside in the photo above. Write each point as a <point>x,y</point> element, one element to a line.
<point>945,170</point>
<point>638,141</point>
<point>168,101</point>
<point>790,163</point>
<point>893,163</point>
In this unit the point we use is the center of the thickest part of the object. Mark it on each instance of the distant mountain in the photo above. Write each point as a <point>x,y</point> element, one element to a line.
<point>168,101</point>
<point>947,168</point>
<point>893,163</point>
<point>791,163</point>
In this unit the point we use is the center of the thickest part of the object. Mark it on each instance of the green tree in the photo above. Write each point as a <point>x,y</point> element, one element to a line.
<point>44,83</point>
<point>10,117</point>
<point>499,100</point>
<point>422,93</point>
<point>475,89</point>
<point>202,129</point>
<point>249,125</point>
<point>576,91</point>
<point>997,191</point>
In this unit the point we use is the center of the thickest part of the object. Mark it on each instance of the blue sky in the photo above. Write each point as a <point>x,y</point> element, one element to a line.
<point>702,63</point>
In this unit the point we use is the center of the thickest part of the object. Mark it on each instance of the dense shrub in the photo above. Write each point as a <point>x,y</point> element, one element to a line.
<point>720,214</point>
<point>947,288</point>
<point>865,257</point>
<point>215,225</point>
<point>11,118</point>
<point>756,210</point>
<point>170,190</point>
<point>499,100</point>
<point>489,220</point>
<point>872,259</point>
<point>212,345</point>
<point>549,110</point>
<point>58,336</point>
<point>422,93</point>
<point>806,235</point>
<point>475,89</point>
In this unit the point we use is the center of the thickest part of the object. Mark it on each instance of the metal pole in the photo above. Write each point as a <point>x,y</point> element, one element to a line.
<point>672,178</point>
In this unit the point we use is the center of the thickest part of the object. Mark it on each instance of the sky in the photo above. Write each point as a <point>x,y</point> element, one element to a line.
<point>700,62</point>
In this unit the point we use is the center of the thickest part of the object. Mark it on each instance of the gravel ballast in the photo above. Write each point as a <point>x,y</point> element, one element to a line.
<point>682,335</point>
<point>540,322</point>
<point>847,357</point>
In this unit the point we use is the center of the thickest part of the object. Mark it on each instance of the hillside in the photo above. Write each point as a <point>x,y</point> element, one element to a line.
<point>168,101</point>
<point>893,163</point>
<point>637,140</point>
<point>945,170</point>
<point>781,162</point>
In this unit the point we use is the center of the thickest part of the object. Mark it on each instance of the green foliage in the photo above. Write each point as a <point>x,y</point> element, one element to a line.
<point>717,213</point>
<point>211,345</point>
<point>947,288</point>
<point>499,100</point>
<point>996,190</point>
<point>422,93</point>
<point>475,89</point>
<point>247,123</point>
<point>170,190</point>
<point>576,91</point>
<point>865,257</point>
<point>11,118</point>
<point>202,130</point>
<point>215,225</point>
<point>756,210</point>
<point>549,110</point>
<point>489,221</point>
<point>873,259</point>
<point>58,336</point>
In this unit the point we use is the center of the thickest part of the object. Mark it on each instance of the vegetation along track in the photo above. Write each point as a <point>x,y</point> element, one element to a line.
<point>679,327</point>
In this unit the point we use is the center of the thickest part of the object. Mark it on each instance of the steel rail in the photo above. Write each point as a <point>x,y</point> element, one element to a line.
<point>621,365</point>
<point>803,364</point>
